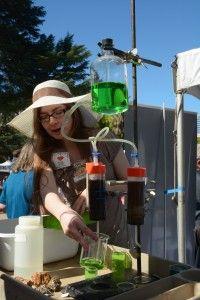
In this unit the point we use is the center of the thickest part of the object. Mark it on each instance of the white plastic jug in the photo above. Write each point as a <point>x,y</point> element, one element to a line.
<point>28,256</point>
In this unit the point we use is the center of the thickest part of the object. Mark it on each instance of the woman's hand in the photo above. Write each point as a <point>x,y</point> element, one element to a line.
<point>80,204</point>
<point>71,222</point>
<point>74,227</point>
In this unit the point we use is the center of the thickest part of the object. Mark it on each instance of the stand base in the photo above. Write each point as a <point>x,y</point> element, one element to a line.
<point>142,279</point>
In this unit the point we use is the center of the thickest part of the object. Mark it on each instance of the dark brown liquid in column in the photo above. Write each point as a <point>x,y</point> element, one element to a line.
<point>97,196</point>
<point>135,203</point>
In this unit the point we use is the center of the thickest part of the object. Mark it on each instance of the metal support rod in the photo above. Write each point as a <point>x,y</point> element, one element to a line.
<point>135,125</point>
<point>134,73</point>
<point>139,267</point>
<point>181,180</point>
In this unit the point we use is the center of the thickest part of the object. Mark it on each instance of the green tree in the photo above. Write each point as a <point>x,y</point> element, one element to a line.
<point>28,57</point>
<point>19,35</point>
<point>115,123</point>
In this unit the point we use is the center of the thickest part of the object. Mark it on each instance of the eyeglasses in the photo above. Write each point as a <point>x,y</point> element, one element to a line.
<point>45,119</point>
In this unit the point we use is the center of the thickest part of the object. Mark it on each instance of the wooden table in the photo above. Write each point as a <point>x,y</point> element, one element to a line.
<point>70,271</point>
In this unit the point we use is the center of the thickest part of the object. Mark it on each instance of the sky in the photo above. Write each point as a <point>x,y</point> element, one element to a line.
<point>163,29</point>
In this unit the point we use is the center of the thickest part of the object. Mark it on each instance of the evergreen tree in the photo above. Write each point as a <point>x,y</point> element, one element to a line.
<point>19,33</point>
<point>28,57</point>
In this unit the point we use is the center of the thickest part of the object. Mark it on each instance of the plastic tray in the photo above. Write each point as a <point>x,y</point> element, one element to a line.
<point>14,290</point>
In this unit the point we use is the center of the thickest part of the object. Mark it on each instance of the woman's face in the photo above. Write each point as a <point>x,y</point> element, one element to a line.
<point>52,117</point>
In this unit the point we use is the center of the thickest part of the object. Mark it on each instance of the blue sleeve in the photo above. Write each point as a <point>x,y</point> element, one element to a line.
<point>3,194</point>
<point>29,179</point>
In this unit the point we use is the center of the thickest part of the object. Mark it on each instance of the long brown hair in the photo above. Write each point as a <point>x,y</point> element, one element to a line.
<point>45,145</point>
<point>25,160</point>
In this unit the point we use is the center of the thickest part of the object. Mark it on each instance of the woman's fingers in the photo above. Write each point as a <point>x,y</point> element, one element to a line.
<point>78,231</point>
<point>87,231</point>
<point>78,236</point>
<point>74,227</point>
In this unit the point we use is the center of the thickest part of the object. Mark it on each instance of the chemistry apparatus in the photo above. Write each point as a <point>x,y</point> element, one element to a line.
<point>109,96</point>
<point>95,172</point>
<point>110,70</point>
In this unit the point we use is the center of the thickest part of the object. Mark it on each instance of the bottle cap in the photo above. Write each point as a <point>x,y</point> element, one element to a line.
<point>92,168</point>
<point>136,172</point>
<point>30,220</point>
<point>107,43</point>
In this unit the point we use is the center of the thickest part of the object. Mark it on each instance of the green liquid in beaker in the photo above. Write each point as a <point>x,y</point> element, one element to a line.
<point>90,262</point>
<point>118,265</point>
<point>91,273</point>
<point>109,97</point>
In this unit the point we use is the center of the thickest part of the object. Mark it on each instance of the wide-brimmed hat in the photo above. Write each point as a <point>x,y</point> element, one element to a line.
<point>53,92</point>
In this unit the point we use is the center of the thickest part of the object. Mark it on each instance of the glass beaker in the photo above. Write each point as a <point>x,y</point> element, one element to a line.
<point>118,265</point>
<point>93,259</point>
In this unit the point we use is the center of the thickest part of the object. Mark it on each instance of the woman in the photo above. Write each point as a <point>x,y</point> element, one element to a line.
<point>59,164</point>
<point>16,196</point>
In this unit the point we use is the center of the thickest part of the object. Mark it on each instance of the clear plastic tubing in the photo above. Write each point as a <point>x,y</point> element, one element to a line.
<point>100,137</point>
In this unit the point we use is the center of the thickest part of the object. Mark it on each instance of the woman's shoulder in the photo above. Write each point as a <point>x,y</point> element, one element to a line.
<point>20,174</point>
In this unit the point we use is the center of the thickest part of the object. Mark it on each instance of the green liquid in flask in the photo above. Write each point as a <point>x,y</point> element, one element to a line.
<point>109,97</point>
<point>91,262</point>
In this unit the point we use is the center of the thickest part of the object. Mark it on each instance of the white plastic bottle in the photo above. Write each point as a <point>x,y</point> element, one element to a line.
<point>28,257</point>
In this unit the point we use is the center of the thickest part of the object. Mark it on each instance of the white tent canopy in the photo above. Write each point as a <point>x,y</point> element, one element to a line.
<point>186,76</point>
<point>6,164</point>
<point>187,72</point>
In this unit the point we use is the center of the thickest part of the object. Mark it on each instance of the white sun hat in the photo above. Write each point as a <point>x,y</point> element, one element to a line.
<point>53,92</point>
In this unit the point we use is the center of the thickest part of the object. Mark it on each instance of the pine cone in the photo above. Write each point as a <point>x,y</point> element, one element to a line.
<point>54,284</point>
<point>43,289</point>
<point>40,278</point>
<point>24,280</point>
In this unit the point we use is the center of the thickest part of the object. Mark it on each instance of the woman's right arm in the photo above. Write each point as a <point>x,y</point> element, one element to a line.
<point>71,222</point>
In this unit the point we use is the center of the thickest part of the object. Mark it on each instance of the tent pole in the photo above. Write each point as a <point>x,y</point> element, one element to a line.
<point>180,179</point>
<point>165,180</point>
